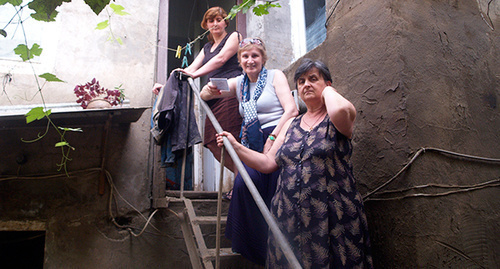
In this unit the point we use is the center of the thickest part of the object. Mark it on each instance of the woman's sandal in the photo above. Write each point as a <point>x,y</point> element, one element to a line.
<point>228,195</point>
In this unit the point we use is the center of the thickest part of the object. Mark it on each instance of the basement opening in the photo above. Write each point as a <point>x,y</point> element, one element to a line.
<point>22,249</point>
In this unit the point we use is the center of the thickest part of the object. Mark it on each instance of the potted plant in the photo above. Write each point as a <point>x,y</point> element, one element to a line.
<point>92,95</point>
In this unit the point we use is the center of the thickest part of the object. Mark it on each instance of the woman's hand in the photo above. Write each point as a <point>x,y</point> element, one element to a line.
<point>212,89</point>
<point>156,88</point>
<point>209,92</point>
<point>184,71</point>
<point>220,139</point>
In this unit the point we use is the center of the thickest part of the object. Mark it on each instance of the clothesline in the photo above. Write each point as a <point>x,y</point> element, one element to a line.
<point>187,47</point>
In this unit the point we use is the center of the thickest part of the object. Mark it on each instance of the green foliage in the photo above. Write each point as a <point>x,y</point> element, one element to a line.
<point>45,10</point>
<point>118,10</point>
<point>259,10</point>
<point>62,144</point>
<point>263,9</point>
<point>50,77</point>
<point>122,93</point>
<point>117,39</point>
<point>102,25</point>
<point>12,2</point>
<point>25,53</point>
<point>37,113</point>
<point>97,5</point>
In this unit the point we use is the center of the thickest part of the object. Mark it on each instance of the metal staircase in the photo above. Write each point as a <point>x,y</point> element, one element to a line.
<point>202,253</point>
<point>191,226</point>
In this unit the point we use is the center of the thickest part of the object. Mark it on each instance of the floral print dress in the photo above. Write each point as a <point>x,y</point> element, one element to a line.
<point>317,205</point>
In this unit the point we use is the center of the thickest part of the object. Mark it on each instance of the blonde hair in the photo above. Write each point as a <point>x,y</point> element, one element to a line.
<point>211,14</point>
<point>250,43</point>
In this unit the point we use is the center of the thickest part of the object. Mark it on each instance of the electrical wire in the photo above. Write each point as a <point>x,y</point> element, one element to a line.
<point>331,13</point>
<point>110,211</point>
<point>423,150</point>
<point>433,194</point>
<point>113,190</point>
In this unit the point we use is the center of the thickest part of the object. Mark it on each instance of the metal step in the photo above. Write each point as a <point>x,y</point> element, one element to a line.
<point>199,254</point>
<point>206,220</point>
<point>224,253</point>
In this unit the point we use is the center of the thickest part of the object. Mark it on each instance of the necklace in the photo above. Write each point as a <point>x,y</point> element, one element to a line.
<point>314,124</point>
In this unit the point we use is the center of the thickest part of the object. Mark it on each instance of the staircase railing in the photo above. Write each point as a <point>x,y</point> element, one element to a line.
<point>273,226</point>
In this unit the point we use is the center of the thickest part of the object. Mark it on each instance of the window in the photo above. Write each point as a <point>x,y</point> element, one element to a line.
<point>315,18</point>
<point>308,25</point>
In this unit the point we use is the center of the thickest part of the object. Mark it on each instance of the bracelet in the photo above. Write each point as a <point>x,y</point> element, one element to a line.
<point>272,137</point>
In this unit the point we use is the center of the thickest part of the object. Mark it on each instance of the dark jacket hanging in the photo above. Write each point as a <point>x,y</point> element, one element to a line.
<point>173,110</point>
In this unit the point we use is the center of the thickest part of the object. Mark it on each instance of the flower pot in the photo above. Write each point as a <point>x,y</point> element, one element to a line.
<point>98,104</point>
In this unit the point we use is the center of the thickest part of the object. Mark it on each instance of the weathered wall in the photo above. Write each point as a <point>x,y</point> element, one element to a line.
<point>422,74</point>
<point>274,30</point>
<point>79,233</point>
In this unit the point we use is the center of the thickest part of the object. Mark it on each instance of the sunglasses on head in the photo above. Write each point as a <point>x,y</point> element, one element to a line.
<point>247,41</point>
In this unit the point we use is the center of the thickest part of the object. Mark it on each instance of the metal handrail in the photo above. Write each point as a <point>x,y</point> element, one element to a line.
<point>280,238</point>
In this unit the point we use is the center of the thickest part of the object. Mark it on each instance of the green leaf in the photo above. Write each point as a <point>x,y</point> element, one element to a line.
<point>25,53</point>
<point>45,10</point>
<point>119,40</point>
<point>62,144</point>
<point>118,10</point>
<point>50,77</point>
<point>2,32</point>
<point>97,5</point>
<point>36,113</point>
<point>13,2</point>
<point>263,9</point>
<point>244,7</point>
<point>102,25</point>
<point>36,50</point>
<point>40,16</point>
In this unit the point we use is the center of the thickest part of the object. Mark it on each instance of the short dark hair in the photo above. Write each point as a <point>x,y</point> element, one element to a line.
<point>308,64</point>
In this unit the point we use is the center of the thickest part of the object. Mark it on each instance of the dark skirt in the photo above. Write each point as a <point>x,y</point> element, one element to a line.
<point>246,227</point>
<point>227,114</point>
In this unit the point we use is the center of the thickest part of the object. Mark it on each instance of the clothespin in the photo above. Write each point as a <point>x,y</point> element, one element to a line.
<point>188,49</point>
<point>184,62</point>
<point>178,52</point>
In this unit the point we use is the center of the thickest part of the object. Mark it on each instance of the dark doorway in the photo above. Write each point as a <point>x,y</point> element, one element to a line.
<point>22,249</point>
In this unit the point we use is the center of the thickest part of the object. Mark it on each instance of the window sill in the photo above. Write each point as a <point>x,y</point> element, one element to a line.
<point>69,115</point>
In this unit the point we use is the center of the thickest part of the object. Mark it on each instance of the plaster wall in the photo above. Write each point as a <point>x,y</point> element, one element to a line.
<point>74,215</point>
<point>422,74</point>
<point>274,29</point>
